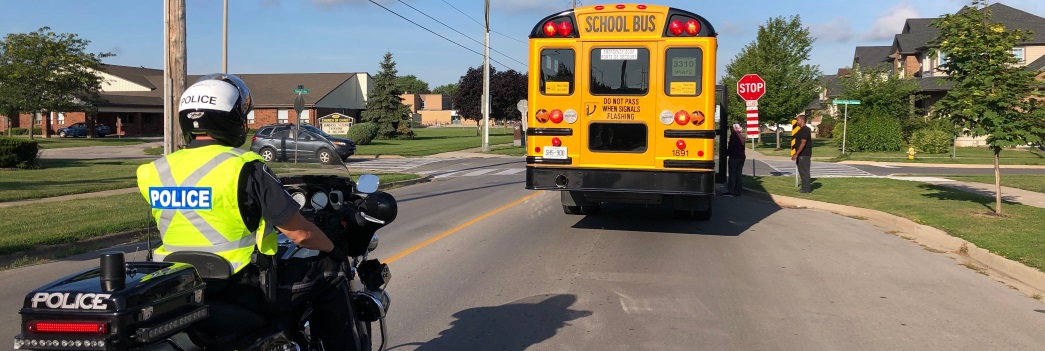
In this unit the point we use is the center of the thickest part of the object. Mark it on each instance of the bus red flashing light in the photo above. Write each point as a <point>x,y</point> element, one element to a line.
<point>68,327</point>
<point>556,142</point>
<point>692,27</point>
<point>556,116</point>
<point>549,29</point>
<point>675,27</point>
<point>681,144</point>
<point>565,28</point>
<point>641,7</point>
<point>620,6</point>
<point>599,7</point>
<point>682,117</point>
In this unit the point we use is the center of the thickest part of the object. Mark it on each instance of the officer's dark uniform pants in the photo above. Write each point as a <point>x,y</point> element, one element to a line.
<point>803,163</point>
<point>733,181</point>
<point>322,282</point>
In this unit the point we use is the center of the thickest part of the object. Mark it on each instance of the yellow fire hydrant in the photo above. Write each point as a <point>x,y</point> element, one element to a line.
<point>910,153</point>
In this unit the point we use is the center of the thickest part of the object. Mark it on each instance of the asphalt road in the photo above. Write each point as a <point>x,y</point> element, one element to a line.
<point>510,271</point>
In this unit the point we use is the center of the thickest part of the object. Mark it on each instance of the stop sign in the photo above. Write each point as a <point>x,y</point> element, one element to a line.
<point>751,87</point>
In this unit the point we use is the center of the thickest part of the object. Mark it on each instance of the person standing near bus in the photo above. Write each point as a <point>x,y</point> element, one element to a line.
<point>803,154</point>
<point>737,156</point>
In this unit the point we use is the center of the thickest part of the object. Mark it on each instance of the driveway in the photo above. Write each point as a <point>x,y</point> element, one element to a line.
<point>104,152</point>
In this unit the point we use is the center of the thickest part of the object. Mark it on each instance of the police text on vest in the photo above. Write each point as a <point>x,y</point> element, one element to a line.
<point>180,198</point>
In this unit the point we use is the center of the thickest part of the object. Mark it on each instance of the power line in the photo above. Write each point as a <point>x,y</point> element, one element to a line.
<point>459,32</point>
<point>430,31</point>
<point>480,23</point>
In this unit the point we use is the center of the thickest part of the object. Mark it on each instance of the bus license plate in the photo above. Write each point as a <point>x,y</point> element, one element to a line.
<point>555,152</point>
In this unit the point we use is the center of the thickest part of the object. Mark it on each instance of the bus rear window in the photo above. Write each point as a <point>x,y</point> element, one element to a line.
<point>682,73</point>
<point>617,137</point>
<point>623,71</point>
<point>557,67</point>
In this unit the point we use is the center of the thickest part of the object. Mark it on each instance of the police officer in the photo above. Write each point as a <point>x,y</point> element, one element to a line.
<point>214,197</point>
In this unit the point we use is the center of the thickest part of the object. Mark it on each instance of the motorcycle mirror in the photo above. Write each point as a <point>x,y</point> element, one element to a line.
<point>367,184</point>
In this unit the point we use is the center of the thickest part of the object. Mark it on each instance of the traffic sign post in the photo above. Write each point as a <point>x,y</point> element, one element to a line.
<point>522,106</point>
<point>751,87</point>
<point>845,118</point>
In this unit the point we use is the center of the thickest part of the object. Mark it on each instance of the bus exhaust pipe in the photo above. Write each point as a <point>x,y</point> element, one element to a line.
<point>561,181</point>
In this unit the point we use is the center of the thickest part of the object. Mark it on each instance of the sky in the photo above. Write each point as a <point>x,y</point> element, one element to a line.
<point>306,36</point>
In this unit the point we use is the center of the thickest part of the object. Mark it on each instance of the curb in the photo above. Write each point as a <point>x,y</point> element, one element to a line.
<point>1027,280</point>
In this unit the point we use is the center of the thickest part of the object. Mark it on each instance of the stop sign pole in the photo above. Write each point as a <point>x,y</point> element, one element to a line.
<point>751,87</point>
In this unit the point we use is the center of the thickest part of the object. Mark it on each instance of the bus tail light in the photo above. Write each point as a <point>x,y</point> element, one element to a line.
<point>556,142</point>
<point>682,117</point>
<point>675,27</point>
<point>555,116</point>
<point>550,29</point>
<point>565,28</point>
<point>700,153</point>
<point>537,150</point>
<point>692,27</point>
<point>681,144</point>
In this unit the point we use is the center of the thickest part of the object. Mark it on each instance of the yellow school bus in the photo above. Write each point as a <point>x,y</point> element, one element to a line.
<point>621,108</point>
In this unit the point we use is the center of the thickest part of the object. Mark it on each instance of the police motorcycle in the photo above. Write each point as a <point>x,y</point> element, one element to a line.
<point>163,306</point>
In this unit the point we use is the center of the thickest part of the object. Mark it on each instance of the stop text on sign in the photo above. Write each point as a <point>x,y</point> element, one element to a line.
<point>751,88</point>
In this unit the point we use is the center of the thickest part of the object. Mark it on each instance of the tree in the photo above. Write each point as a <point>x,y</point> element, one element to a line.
<point>385,107</point>
<point>992,96</point>
<point>44,71</point>
<point>448,89</point>
<point>410,84</point>
<point>506,89</point>
<point>883,95</point>
<point>777,55</point>
<point>469,97</point>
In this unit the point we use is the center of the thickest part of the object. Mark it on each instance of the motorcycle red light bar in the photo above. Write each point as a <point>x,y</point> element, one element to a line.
<point>68,327</point>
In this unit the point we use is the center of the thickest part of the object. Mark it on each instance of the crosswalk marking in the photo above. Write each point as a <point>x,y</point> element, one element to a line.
<point>479,172</point>
<point>393,164</point>
<point>819,169</point>
<point>509,171</point>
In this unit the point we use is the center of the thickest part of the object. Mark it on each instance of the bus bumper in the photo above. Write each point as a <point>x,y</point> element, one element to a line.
<point>663,182</point>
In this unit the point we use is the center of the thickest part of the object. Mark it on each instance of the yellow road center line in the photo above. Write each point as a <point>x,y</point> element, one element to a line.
<point>459,227</point>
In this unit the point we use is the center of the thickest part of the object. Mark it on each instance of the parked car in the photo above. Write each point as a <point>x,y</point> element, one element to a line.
<point>80,130</point>
<point>276,142</point>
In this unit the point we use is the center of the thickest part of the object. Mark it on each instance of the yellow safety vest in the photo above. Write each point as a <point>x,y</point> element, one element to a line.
<point>194,196</point>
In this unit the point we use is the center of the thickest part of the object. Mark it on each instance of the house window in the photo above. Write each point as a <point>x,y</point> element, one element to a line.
<point>1019,55</point>
<point>282,115</point>
<point>61,118</point>
<point>422,104</point>
<point>941,59</point>
<point>250,117</point>
<point>304,118</point>
<point>38,118</point>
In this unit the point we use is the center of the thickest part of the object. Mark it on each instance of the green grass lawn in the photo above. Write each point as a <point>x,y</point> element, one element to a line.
<point>1028,182</point>
<point>56,143</point>
<point>509,150</point>
<point>431,141</point>
<point>64,177</point>
<point>822,147</point>
<point>1016,235</point>
<point>28,226</point>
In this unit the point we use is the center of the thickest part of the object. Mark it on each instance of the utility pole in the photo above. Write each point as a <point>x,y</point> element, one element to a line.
<point>486,82</point>
<point>574,4</point>
<point>174,67</point>
<point>225,41</point>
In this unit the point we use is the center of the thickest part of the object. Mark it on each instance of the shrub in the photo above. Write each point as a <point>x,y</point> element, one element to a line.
<point>930,140</point>
<point>17,153</point>
<point>363,133</point>
<point>25,131</point>
<point>872,133</point>
<point>826,127</point>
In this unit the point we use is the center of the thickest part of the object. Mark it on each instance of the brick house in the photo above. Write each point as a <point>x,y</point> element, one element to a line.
<point>132,97</point>
<point>431,109</point>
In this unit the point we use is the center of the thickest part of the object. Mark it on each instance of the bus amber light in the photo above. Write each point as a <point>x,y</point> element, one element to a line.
<point>682,117</point>
<point>565,28</point>
<point>675,27</point>
<point>556,116</point>
<point>681,144</point>
<point>692,27</point>
<point>556,142</point>
<point>549,29</point>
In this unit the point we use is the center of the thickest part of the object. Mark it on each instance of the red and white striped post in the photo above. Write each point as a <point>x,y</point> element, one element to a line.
<point>751,87</point>
<point>752,121</point>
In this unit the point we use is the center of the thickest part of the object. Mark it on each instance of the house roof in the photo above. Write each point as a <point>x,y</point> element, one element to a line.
<point>1014,18</point>
<point>872,56</point>
<point>919,32</point>
<point>1037,65</point>
<point>934,84</point>
<point>134,74</point>
<point>916,34</point>
<point>277,90</point>
<point>833,83</point>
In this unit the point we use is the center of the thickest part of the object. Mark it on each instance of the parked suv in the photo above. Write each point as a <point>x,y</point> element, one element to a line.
<point>80,129</point>
<point>276,142</point>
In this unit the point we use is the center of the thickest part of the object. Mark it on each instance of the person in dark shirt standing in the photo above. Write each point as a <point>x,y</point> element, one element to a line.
<point>803,154</point>
<point>737,157</point>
